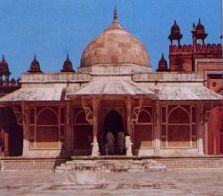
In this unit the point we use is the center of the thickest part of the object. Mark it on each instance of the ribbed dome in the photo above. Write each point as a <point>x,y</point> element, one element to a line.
<point>115,46</point>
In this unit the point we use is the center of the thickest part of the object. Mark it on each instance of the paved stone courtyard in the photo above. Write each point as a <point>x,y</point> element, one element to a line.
<point>172,182</point>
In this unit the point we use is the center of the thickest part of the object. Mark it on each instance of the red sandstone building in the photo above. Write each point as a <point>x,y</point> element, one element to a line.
<point>175,111</point>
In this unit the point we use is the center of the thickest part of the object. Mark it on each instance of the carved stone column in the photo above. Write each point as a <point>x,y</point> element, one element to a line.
<point>128,145</point>
<point>128,140</point>
<point>21,113</point>
<point>157,128</point>
<point>129,114</point>
<point>25,114</point>
<point>95,146</point>
<point>90,105</point>
<point>69,131</point>
<point>206,137</point>
<point>200,133</point>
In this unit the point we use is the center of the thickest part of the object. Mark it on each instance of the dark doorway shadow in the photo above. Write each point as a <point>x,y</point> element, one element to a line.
<point>113,123</point>
<point>8,122</point>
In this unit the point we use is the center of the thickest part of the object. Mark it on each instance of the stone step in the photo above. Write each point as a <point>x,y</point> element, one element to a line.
<point>112,165</point>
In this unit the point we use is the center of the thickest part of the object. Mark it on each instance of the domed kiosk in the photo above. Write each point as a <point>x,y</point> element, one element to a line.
<point>115,47</point>
<point>114,104</point>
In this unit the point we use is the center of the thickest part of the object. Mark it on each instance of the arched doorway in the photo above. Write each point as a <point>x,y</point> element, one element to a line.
<point>113,123</point>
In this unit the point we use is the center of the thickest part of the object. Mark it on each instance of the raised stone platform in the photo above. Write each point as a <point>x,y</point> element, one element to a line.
<point>110,163</point>
<point>136,163</point>
<point>22,163</point>
<point>90,170</point>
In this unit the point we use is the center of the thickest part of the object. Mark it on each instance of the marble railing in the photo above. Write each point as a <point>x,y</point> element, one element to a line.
<point>169,76</point>
<point>55,77</point>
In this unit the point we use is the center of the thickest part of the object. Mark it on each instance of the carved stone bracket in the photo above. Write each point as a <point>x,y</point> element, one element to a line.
<point>136,110</point>
<point>21,113</point>
<point>25,113</point>
<point>18,114</point>
<point>90,106</point>
<point>88,109</point>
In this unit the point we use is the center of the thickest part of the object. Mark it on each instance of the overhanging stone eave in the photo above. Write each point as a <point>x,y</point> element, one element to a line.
<point>204,101</point>
<point>76,96</point>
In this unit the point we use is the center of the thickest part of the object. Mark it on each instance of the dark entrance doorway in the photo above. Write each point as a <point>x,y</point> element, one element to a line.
<point>14,133</point>
<point>113,125</point>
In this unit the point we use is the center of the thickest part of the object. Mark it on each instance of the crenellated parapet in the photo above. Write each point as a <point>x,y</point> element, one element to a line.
<point>182,57</point>
<point>200,48</point>
<point>180,48</point>
<point>209,48</point>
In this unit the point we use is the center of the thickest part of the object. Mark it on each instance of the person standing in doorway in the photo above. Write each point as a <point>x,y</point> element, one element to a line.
<point>121,142</point>
<point>110,143</point>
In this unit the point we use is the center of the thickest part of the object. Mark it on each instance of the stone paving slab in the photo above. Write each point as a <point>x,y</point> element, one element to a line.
<point>172,182</point>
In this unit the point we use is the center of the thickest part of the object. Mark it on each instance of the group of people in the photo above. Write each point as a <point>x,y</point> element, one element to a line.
<point>115,144</point>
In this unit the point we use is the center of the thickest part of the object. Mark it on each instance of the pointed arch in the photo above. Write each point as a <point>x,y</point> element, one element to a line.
<point>143,130</point>
<point>47,116</point>
<point>144,116</point>
<point>178,115</point>
<point>82,133</point>
<point>47,131</point>
<point>179,126</point>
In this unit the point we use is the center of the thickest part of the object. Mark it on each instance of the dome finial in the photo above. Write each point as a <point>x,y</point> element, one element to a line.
<point>115,14</point>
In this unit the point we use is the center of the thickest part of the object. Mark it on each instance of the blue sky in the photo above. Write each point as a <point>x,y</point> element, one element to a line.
<point>52,28</point>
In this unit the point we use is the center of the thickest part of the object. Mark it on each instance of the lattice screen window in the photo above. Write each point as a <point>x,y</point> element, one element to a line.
<point>178,126</point>
<point>143,129</point>
<point>83,131</point>
<point>47,127</point>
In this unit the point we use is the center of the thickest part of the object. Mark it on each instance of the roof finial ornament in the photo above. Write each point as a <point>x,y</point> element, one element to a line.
<point>162,56</point>
<point>115,14</point>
